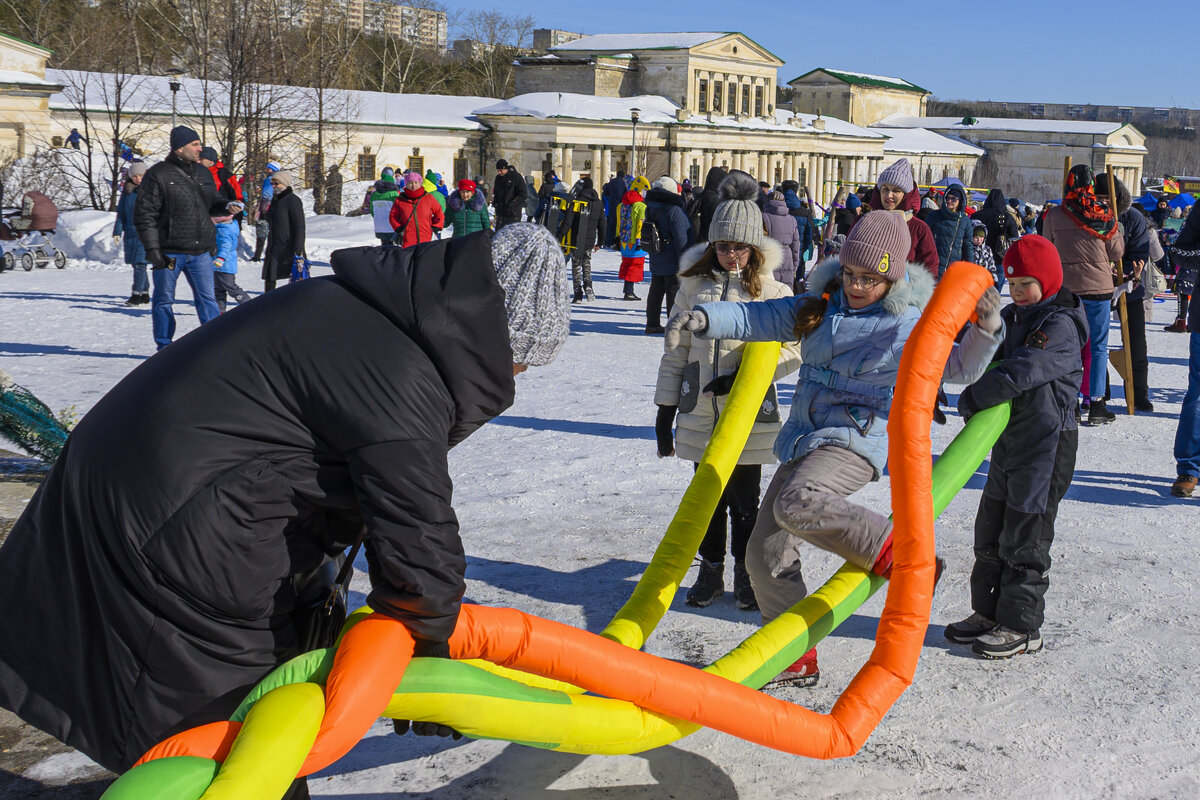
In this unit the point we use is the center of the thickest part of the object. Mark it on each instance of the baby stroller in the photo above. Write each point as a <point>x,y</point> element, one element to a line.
<point>25,234</point>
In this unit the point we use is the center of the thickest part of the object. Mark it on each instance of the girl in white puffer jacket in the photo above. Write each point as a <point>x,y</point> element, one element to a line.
<point>737,265</point>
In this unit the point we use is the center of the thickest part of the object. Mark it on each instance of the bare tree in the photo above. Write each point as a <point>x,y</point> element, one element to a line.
<point>499,39</point>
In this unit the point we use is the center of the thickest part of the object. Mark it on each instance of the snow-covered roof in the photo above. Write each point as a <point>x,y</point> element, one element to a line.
<point>150,94</point>
<point>866,79</point>
<point>16,76</point>
<point>623,42</point>
<point>652,109</point>
<point>1001,124</point>
<point>922,140</point>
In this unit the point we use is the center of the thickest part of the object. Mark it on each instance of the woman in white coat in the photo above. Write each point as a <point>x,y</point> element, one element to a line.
<point>736,264</point>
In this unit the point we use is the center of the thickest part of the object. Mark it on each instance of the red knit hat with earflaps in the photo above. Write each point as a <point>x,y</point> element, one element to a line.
<point>1036,257</point>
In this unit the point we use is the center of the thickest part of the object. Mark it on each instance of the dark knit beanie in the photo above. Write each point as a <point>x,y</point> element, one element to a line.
<point>181,135</point>
<point>501,164</point>
<point>209,154</point>
<point>1036,257</point>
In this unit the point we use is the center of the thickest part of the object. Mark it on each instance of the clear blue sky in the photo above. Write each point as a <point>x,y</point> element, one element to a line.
<point>1019,50</point>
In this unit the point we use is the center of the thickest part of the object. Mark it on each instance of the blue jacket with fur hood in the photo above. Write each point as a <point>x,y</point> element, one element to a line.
<point>844,393</point>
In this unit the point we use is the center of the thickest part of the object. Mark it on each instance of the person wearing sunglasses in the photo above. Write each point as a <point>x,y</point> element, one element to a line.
<point>737,265</point>
<point>852,326</point>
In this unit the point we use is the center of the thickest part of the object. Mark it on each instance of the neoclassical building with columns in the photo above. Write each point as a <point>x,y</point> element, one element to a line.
<point>655,103</point>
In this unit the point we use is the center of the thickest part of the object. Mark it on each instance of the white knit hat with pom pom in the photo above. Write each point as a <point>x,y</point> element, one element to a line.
<point>738,217</point>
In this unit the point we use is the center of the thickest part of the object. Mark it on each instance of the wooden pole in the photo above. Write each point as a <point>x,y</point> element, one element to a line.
<point>1124,362</point>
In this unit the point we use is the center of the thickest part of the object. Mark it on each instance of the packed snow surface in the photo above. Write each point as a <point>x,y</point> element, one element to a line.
<point>562,501</point>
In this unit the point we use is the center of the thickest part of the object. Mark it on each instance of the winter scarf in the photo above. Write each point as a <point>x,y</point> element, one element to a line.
<point>1082,207</point>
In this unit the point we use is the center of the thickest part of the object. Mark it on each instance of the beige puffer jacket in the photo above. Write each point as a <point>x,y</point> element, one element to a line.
<point>694,428</point>
<point>1086,260</point>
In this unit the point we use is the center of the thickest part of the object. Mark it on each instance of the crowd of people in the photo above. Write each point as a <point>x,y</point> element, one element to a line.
<point>731,261</point>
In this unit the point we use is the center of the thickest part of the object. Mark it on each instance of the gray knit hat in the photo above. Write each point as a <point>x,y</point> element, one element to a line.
<point>283,178</point>
<point>738,217</point>
<point>533,274</point>
<point>878,242</point>
<point>138,168</point>
<point>899,174</point>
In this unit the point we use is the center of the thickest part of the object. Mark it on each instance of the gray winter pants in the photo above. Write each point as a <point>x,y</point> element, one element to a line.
<point>806,503</point>
<point>581,269</point>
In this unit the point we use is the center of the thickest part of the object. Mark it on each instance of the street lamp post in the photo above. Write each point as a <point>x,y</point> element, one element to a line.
<point>633,116</point>
<point>173,78</point>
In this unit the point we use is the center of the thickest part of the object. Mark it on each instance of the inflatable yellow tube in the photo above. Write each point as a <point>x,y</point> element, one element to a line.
<point>637,619</point>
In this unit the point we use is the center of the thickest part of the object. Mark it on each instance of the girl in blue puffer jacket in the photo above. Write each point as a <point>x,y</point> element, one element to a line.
<point>852,326</point>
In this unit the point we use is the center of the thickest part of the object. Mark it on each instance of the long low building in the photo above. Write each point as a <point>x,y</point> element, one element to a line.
<point>1026,156</point>
<point>655,104</point>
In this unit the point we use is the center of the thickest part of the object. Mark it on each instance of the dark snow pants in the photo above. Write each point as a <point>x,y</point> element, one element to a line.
<point>738,505</point>
<point>1012,550</point>
<point>663,289</point>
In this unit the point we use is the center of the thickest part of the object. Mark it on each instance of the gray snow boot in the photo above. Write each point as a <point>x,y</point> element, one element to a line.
<point>710,584</point>
<point>743,592</point>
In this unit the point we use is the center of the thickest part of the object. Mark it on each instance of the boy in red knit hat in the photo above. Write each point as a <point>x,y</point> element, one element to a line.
<point>1038,367</point>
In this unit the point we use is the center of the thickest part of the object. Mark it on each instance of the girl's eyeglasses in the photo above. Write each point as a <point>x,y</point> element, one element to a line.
<point>867,282</point>
<point>725,248</point>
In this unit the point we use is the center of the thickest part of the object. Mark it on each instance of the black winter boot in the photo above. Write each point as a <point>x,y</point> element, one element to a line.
<point>743,592</point>
<point>710,584</point>
<point>1099,415</point>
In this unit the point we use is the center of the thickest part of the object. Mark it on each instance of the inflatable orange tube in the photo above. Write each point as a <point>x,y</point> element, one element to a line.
<point>363,677</point>
<point>366,670</point>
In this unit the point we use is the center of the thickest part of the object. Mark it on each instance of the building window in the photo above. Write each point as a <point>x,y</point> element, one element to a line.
<point>313,166</point>
<point>462,169</point>
<point>746,101</point>
<point>366,167</point>
<point>928,176</point>
<point>704,94</point>
<point>1162,114</point>
<point>758,101</point>
<point>1074,111</point>
<point>717,88</point>
<point>732,104</point>
<point>778,174</point>
<point>694,174</point>
<point>1037,109</point>
<point>1125,114</point>
<point>416,164</point>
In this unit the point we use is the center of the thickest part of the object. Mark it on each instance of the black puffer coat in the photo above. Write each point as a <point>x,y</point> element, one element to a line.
<point>1039,369</point>
<point>951,231</point>
<point>285,236</point>
<point>995,216</point>
<point>175,204</point>
<point>709,200</point>
<point>152,569</point>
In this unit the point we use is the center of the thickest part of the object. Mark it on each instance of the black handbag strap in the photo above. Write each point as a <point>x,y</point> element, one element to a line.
<point>344,572</point>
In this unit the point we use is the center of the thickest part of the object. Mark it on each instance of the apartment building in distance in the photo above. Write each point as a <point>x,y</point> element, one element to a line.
<point>546,38</point>
<point>421,26</point>
<point>1172,117</point>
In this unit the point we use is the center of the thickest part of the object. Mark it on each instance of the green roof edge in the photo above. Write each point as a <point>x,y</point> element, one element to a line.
<point>856,79</point>
<point>22,41</point>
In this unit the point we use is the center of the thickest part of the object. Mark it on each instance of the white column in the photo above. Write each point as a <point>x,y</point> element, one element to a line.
<point>606,163</point>
<point>810,173</point>
<point>789,166</point>
<point>818,187</point>
<point>599,177</point>
<point>567,174</point>
<point>764,167</point>
<point>676,168</point>
<point>706,161</point>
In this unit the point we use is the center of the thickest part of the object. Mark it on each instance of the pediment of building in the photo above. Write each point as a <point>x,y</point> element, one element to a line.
<point>737,47</point>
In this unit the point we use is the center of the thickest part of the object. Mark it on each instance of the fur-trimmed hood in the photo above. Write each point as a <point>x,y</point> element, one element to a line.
<point>772,257</point>
<point>914,289</point>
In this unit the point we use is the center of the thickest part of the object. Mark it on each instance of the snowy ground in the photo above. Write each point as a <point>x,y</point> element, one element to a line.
<point>562,500</point>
